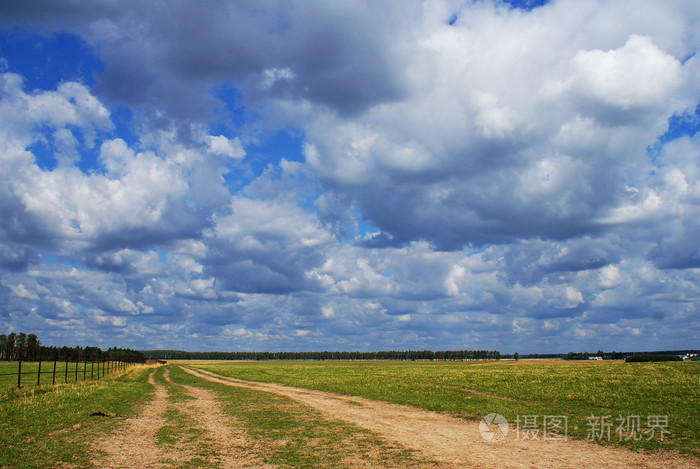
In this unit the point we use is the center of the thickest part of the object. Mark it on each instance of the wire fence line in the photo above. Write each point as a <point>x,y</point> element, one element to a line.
<point>72,368</point>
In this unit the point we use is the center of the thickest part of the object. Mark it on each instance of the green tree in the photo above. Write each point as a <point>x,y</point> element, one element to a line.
<point>22,342</point>
<point>516,356</point>
<point>11,340</point>
<point>33,347</point>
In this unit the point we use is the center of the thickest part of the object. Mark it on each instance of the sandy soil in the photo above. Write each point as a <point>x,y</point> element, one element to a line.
<point>134,445</point>
<point>455,442</point>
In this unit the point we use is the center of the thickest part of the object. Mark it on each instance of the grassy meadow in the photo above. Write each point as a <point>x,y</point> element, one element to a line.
<point>42,426</point>
<point>577,390</point>
<point>51,425</point>
<point>29,373</point>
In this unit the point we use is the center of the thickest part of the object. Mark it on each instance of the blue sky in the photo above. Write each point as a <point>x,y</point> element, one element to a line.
<point>518,176</point>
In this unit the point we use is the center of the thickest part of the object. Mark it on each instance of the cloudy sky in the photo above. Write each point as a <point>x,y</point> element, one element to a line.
<point>351,175</point>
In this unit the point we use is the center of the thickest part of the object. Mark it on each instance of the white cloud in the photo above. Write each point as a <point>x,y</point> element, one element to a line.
<point>273,75</point>
<point>221,145</point>
<point>327,311</point>
<point>492,121</point>
<point>445,156</point>
<point>140,191</point>
<point>21,291</point>
<point>635,76</point>
<point>267,245</point>
<point>454,279</point>
<point>610,276</point>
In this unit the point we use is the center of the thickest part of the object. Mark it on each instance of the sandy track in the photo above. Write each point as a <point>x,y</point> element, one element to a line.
<point>228,440</point>
<point>455,442</point>
<point>135,444</point>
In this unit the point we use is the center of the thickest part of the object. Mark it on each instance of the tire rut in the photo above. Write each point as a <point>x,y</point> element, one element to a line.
<point>230,443</point>
<point>135,442</point>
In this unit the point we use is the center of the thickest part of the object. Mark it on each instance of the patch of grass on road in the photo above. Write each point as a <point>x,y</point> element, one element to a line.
<point>51,426</point>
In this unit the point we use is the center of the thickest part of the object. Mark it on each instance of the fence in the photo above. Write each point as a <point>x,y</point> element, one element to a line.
<point>75,367</point>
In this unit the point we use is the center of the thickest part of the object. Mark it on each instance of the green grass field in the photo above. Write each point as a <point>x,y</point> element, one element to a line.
<point>42,426</point>
<point>577,390</point>
<point>29,373</point>
<point>52,426</point>
<point>48,425</point>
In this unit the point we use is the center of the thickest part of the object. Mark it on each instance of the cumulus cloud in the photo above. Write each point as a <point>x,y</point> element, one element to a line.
<point>635,76</point>
<point>140,197</point>
<point>468,176</point>
<point>265,246</point>
<point>221,145</point>
<point>551,133</point>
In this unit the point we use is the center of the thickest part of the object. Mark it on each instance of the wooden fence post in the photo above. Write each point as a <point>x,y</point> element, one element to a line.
<point>19,369</point>
<point>55,359</point>
<point>92,368</point>
<point>38,373</point>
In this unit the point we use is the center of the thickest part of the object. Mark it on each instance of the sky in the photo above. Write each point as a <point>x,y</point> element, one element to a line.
<point>351,175</point>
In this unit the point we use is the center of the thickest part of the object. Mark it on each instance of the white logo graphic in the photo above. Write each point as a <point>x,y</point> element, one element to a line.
<point>493,428</point>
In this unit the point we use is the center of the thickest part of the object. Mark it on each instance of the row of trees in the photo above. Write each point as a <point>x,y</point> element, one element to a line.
<point>649,357</point>
<point>522,356</point>
<point>88,353</point>
<point>382,355</point>
<point>10,344</point>
<point>31,348</point>
<point>585,355</point>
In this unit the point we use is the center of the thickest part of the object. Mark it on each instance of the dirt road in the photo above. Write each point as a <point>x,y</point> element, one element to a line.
<point>455,442</point>
<point>134,445</point>
<point>136,438</point>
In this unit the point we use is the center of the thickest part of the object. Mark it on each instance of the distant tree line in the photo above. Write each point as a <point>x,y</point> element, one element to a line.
<point>521,356</point>
<point>382,355</point>
<point>586,355</point>
<point>625,355</point>
<point>31,347</point>
<point>648,357</point>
